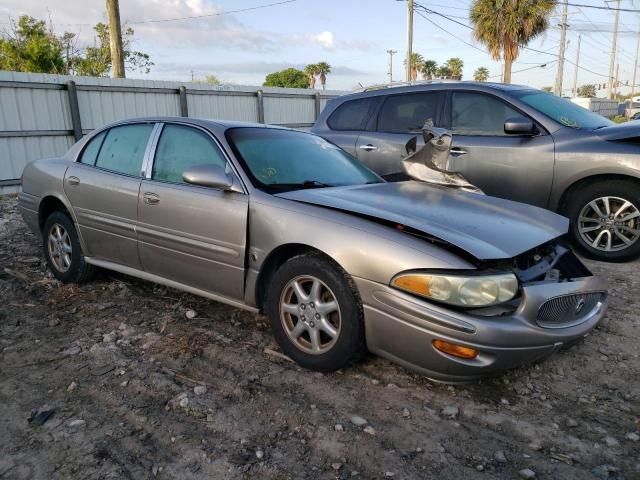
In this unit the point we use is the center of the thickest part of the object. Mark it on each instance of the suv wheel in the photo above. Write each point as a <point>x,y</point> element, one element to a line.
<point>62,250</point>
<point>316,313</point>
<point>605,220</point>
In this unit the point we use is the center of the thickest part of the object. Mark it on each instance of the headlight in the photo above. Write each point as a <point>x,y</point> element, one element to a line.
<point>460,290</point>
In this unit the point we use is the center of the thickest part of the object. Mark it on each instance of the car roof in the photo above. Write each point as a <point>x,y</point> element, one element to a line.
<point>423,86</point>
<point>214,125</point>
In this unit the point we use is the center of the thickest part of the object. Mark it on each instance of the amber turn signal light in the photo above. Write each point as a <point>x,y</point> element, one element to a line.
<point>455,350</point>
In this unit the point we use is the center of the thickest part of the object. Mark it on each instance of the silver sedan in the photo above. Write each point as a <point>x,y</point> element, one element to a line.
<point>453,284</point>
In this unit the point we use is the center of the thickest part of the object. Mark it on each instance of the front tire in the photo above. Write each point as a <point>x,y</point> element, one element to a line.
<point>62,250</point>
<point>316,313</point>
<point>605,220</point>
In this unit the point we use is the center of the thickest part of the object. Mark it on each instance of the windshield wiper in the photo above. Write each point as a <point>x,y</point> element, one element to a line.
<point>315,183</point>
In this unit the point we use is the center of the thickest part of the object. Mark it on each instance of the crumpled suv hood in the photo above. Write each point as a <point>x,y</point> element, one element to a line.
<point>486,227</point>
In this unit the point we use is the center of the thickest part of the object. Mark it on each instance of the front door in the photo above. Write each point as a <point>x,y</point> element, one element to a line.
<point>103,189</point>
<point>190,234</point>
<point>516,167</point>
<point>400,118</point>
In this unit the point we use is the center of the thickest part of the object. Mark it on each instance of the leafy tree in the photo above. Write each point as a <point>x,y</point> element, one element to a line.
<point>505,26</point>
<point>29,47</point>
<point>311,71</point>
<point>323,70</point>
<point>444,71</point>
<point>456,65</point>
<point>290,77</point>
<point>96,61</point>
<point>547,89</point>
<point>428,69</point>
<point>481,74</point>
<point>587,91</point>
<point>210,79</point>
<point>416,64</point>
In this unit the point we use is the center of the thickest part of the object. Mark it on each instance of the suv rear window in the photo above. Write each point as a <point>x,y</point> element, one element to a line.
<point>353,115</point>
<point>407,112</point>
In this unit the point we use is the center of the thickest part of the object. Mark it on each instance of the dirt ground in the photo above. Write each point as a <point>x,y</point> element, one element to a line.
<point>132,388</point>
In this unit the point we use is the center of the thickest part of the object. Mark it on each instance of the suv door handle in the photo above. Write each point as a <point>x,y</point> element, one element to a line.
<point>150,198</point>
<point>73,181</point>
<point>368,147</point>
<point>458,151</point>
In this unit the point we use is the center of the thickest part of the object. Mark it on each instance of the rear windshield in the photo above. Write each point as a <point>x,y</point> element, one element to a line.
<point>561,110</point>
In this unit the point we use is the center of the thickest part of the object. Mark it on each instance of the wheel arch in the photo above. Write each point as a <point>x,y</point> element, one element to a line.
<point>562,204</point>
<point>275,259</point>
<point>50,204</point>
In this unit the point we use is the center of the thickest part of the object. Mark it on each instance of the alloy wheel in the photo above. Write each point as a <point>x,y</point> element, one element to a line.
<point>609,224</point>
<point>310,314</point>
<point>59,247</point>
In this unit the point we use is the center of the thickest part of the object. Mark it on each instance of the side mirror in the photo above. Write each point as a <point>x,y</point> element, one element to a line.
<point>520,126</point>
<point>208,176</point>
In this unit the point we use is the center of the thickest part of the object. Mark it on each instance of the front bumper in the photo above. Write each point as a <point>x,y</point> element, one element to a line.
<point>402,327</point>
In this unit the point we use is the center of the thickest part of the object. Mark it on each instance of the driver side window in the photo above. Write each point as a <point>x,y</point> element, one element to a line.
<point>181,148</point>
<point>479,114</point>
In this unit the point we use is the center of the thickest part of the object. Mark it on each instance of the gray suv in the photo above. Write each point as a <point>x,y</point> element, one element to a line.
<point>513,142</point>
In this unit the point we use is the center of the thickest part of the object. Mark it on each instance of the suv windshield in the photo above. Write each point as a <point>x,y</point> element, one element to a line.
<point>563,111</point>
<point>281,160</point>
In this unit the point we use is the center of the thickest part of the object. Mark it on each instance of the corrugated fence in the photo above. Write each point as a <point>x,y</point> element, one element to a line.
<point>43,115</point>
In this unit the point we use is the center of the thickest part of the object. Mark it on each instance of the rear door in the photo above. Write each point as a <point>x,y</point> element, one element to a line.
<point>400,118</point>
<point>347,121</point>
<point>103,190</point>
<point>190,234</point>
<point>516,167</point>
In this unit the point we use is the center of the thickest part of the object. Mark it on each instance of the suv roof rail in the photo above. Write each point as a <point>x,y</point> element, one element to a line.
<point>407,84</point>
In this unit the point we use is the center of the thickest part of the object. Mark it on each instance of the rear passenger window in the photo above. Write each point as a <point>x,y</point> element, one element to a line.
<point>401,113</point>
<point>91,150</point>
<point>353,115</point>
<point>181,148</point>
<point>123,149</point>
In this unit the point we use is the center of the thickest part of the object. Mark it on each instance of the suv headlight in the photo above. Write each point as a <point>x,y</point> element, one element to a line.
<point>460,290</point>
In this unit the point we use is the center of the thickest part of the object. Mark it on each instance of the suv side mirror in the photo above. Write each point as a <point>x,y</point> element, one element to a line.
<point>209,176</point>
<point>520,126</point>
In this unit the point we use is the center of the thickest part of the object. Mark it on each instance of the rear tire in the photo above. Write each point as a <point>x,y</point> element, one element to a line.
<point>321,326</point>
<point>605,220</point>
<point>62,250</point>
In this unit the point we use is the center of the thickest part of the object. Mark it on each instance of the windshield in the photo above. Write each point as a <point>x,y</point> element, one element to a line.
<point>563,111</point>
<point>281,160</point>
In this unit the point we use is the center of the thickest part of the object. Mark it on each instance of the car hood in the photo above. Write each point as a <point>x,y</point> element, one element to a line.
<point>623,131</point>
<point>486,227</point>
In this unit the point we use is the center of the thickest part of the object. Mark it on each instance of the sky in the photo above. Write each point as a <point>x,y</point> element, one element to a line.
<point>353,36</point>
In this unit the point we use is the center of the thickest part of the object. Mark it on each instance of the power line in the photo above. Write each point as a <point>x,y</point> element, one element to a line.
<point>217,14</point>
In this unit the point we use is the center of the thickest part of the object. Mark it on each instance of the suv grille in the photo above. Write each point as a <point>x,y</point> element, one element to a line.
<point>568,310</point>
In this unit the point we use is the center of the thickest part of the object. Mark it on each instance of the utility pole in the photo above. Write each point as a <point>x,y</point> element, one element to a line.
<point>563,43</point>
<point>390,72</point>
<point>613,50</point>
<point>409,37</point>
<point>635,67</point>
<point>575,72</point>
<point>615,86</point>
<point>115,39</point>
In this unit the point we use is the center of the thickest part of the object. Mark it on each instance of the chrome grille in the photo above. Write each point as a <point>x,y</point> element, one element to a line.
<point>569,310</point>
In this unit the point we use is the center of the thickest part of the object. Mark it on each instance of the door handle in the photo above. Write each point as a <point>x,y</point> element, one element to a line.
<point>73,181</point>
<point>150,198</point>
<point>368,147</point>
<point>458,151</point>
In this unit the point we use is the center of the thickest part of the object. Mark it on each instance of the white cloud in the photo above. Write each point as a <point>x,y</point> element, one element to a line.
<point>325,39</point>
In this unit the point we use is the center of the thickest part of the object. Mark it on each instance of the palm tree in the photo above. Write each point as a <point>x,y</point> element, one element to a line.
<point>505,26</point>
<point>481,74</point>
<point>323,69</point>
<point>311,71</point>
<point>416,64</point>
<point>428,69</point>
<point>455,64</point>
<point>444,71</point>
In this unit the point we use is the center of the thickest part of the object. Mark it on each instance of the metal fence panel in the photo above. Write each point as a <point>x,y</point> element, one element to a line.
<point>37,120</point>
